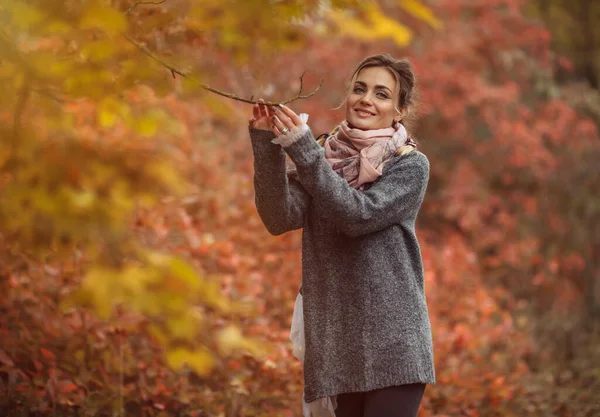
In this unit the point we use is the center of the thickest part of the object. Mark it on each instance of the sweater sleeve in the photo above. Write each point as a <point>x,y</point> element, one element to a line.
<point>281,203</point>
<point>396,196</point>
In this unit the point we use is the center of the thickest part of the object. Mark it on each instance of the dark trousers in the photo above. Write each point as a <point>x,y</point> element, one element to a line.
<point>399,401</point>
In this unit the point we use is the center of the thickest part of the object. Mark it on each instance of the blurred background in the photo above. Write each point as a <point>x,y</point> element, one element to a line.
<point>136,276</point>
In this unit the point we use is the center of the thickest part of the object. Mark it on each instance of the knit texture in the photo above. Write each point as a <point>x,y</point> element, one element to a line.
<point>365,313</point>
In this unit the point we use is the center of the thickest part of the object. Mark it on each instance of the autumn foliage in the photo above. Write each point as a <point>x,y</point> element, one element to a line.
<point>137,278</point>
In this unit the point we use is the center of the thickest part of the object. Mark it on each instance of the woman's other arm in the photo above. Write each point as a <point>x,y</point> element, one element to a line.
<point>281,203</point>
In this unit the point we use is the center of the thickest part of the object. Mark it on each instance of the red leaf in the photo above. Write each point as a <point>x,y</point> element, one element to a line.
<point>47,354</point>
<point>68,387</point>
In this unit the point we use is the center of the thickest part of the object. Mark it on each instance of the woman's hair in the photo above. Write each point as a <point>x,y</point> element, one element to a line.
<point>406,91</point>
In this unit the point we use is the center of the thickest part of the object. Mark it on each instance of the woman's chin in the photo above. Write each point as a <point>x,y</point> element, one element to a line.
<point>359,124</point>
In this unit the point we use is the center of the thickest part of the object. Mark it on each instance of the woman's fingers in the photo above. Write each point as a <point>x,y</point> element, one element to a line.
<point>262,109</point>
<point>284,119</point>
<point>275,127</point>
<point>278,124</point>
<point>295,119</point>
<point>282,124</point>
<point>279,118</point>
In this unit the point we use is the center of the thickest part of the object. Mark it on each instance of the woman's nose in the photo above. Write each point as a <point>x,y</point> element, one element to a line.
<point>366,99</point>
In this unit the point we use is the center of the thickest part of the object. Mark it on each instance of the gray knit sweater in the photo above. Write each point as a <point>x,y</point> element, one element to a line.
<point>365,315</point>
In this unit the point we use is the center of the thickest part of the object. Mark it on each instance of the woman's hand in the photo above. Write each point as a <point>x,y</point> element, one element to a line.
<point>284,120</point>
<point>262,116</point>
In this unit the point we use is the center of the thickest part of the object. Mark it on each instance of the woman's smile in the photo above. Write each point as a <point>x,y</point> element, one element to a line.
<point>364,113</point>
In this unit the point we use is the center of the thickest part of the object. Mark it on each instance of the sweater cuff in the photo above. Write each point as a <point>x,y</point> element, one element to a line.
<point>294,134</point>
<point>291,137</point>
<point>305,150</point>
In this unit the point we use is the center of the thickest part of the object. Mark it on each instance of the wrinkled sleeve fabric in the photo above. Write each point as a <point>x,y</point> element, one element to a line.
<point>281,202</point>
<point>395,197</point>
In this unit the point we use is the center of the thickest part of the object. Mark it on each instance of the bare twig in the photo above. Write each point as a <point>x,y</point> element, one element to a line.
<point>134,5</point>
<point>48,93</point>
<point>174,71</point>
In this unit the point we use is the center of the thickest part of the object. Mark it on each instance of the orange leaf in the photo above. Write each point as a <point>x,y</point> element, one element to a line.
<point>69,387</point>
<point>47,354</point>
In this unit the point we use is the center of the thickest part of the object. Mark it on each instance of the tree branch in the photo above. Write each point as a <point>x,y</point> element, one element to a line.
<point>134,5</point>
<point>174,71</point>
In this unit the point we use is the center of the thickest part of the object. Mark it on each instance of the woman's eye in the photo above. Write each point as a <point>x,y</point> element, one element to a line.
<point>359,90</point>
<point>382,95</point>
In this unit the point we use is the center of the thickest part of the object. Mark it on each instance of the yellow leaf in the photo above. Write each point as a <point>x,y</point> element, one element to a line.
<point>156,258</point>
<point>132,279</point>
<point>24,15</point>
<point>99,50</point>
<point>98,287</point>
<point>106,118</point>
<point>376,26</point>
<point>200,360</point>
<point>420,11</point>
<point>230,339</point>
<point>79,355</point>
<point>148,124</point>
<point>84,199</point>
<point>58,27</point>
<point>110,109</point>
<point>48,64</point>
<point>166,175</point>
<point>158,334</point>
<point>101,16</point>
<point>183,327</point>
<point>185,272</point>
<point>121,199</point>
<point>212,296</point>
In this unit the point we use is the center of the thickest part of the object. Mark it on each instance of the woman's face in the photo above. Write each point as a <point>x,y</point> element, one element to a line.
<point>371,101</point>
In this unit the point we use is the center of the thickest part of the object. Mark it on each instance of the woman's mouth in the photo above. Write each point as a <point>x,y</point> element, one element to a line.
<point>364,113</point>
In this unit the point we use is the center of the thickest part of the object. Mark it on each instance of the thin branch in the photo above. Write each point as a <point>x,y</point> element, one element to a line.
<point>48,94</point>
<point>134,5</point>
<point>174,70</point>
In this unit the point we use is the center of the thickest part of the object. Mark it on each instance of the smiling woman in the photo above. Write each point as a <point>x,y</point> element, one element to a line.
<point>361,322</point>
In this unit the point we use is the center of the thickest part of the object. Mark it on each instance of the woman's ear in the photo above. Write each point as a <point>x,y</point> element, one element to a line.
<point>404,112</point>
<point>401,115</point>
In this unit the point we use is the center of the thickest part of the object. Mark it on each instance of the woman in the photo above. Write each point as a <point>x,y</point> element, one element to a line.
<point>356,194</point>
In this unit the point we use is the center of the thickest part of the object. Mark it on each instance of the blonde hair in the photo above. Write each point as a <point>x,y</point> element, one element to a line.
<point>405,93</point>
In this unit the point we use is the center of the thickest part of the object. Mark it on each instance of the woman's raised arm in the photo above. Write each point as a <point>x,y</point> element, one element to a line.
<point>281,203</point>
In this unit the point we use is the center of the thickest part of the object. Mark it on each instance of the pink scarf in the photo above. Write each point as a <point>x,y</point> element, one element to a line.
<point>360,155</point>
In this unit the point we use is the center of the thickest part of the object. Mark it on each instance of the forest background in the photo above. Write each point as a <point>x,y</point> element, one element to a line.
<point>136,276</point>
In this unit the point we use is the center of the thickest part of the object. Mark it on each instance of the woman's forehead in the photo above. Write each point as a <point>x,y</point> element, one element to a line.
<point>377,76</point>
